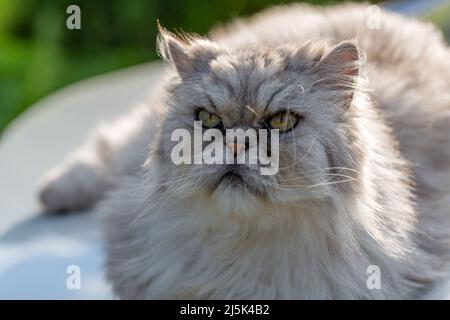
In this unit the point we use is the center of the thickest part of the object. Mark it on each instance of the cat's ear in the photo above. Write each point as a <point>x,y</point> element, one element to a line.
<point>188,53</point>
<point>339,68</point>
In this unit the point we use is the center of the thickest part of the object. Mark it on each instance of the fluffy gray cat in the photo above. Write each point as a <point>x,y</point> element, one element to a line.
<point>363,182</point>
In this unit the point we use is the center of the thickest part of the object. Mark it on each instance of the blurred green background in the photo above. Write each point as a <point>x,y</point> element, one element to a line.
<point>38,54</point>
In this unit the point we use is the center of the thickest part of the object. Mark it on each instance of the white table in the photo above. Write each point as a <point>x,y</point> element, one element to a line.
<point>36,249</point>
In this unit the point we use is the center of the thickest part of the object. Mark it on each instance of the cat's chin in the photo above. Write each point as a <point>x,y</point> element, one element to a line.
<point>234,195</point>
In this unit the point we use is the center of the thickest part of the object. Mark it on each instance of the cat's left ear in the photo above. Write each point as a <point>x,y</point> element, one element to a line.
<point>339,68</point>
<point>188,53</point>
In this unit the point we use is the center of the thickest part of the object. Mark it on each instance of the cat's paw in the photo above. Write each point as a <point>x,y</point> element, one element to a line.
<point>70,188</point>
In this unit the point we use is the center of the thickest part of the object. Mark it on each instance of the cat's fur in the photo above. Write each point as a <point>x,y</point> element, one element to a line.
<point>364,178</point>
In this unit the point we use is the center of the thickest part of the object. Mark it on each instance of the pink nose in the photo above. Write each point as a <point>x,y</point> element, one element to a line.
<point>236,148</point>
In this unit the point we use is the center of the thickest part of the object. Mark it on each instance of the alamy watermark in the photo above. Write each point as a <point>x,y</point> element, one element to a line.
<point>373,17</point>
<point>374,277</point>
<point>73,281</point>
<point>73,21</point>
<point>251,146</point>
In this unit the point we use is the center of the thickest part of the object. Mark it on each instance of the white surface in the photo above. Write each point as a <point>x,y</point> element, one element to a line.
<point>35,250</point>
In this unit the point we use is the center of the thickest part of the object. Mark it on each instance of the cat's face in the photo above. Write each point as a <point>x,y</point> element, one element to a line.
<point>303,91</point>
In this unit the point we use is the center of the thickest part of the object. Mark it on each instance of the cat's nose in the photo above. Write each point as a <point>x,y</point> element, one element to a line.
<point>236,148</point>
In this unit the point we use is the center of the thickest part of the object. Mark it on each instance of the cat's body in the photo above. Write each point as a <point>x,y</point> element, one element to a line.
<point>169,236</point>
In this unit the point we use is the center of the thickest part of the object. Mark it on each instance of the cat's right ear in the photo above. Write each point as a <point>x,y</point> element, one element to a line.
<point>187,53</point>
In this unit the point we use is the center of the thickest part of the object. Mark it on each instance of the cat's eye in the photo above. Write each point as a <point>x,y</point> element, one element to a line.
<point>208,119</point>
<point>284,121</point>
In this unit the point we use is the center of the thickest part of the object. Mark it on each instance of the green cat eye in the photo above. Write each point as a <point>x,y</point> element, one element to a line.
<point>284,121</point>
<point>208,119</point>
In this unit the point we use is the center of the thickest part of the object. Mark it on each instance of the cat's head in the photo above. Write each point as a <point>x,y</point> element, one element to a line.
<point>307,91</point>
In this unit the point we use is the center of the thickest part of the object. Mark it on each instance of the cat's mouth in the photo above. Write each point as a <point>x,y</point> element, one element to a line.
<point>232,178</point>
<point>237,180</point>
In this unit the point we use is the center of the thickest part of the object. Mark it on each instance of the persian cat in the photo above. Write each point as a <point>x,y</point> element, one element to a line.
<point>363,183</point>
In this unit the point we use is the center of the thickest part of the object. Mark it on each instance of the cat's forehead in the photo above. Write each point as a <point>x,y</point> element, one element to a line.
<point>241,80</point>
<point>235,67</point>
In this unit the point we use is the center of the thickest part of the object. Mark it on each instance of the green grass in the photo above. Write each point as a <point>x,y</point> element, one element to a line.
<point>441,18</point>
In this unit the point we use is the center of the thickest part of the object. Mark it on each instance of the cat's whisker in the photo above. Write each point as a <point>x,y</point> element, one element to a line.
<point>293,187</point>
<point>329,175</point>
<point>285,182</point>
<point>293,137</point>
<point>159,211</point>
<point>141,209</point>
<point>331,183</point>
<point>174,180</point>
<point>322,174</point>
<point>333,168</point>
